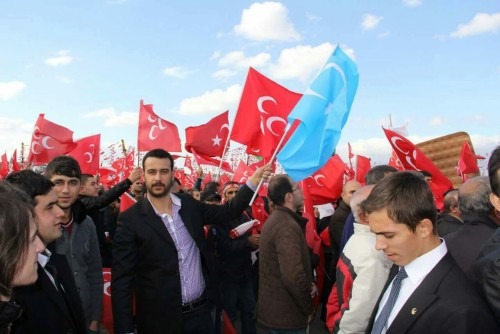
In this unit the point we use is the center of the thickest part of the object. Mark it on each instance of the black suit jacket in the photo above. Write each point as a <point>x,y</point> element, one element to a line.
<point>145,260</point>
<point>44,309</point>
<point>445,302</point>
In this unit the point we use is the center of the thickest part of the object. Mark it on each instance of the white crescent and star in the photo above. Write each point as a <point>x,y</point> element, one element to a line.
<point>88,154</point>
<point>33,147</point>
<point>216,140</point>
<point>151,133</point>
<point>271,120</point>
<point>317,178</point>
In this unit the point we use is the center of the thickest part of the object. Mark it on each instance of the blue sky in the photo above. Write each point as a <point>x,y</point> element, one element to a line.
<point>433,65</point>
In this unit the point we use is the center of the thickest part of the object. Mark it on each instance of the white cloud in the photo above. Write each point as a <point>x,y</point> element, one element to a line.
<point>412,3</point>
<point>114,118</point>
<point>312,17</point>
<point>237,59</point>
<point>300,62</point>
<point>10,89</point>
<point>481,23</point>
<point>370,21</point>
<point>266,21</point>
<point>217,100</point>
<point>384,34</point>
<point>215,55</point>
<point>13,132</point>
<point>62,58</point>
<point>64,79</point>
<point>177,72</point>
<point>224,74</point>
<point>437,121</point>
<point>484,144</point>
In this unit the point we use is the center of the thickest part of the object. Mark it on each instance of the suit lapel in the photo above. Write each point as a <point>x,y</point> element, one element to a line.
<point>421,298</point>
<point>50,289</point>
<point>155,222</point>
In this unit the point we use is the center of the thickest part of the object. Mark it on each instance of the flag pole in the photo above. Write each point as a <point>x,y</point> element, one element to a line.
<point>288,126</point>
<point>224,152</point>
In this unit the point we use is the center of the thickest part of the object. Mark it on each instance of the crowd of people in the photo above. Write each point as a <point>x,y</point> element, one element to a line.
<point>204,259</point>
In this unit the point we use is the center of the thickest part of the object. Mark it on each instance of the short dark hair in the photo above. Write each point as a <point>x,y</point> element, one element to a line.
<point>158,153</point>
<point>32,183</point>
<point>85,177</point>
<point>15,210</point>
<point>494,171</point>
<point>279,186</point>
<point>425,173</point>
<point>63,165</point>
<point>407,198</point>
<point>210,197</point>
<point>377,173</point>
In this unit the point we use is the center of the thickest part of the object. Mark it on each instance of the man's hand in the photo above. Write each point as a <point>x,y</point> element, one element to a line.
<point>135,174</point>
<point>94,326</point>
<point>261,173</point>
<point>200,172</point>
<point>254,240</point>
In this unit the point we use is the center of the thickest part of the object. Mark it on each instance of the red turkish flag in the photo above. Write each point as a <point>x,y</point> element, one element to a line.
<point>467,164</point>
<point>261,117</point>
<point>48,141</point>
<point>413,159</point>
<point>155,132</point>
<point>188,164</point>
<point>325,185</point>
<point>363,165</point>
<point>205,160</point>
<point>87,153</point>
<point>15,164</point>
<point>4,170</point>
<point>108,176</point>
<point>224,179</point>
<point>128,163</point>
<point>126,201</point>
<point>206,179</point>
<point>242,173</point>
<point>209,139</point>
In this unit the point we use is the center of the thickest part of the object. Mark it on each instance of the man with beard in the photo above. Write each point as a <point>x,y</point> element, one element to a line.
<point>161,254</point>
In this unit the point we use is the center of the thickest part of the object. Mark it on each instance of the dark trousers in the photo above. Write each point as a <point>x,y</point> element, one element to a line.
<point>239,296</point>
<point>199,321</point>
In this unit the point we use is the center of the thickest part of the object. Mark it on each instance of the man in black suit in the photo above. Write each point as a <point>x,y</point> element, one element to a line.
<point>426,292</point>
<point>52,304</point>
<point>160,253</point>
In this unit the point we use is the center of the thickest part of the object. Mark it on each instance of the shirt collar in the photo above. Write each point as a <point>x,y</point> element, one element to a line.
<point>422,265</point>
<point>176,201</point>
<point>44,257</point>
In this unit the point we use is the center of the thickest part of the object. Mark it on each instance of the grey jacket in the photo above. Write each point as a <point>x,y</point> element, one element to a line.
<point>81,249</point>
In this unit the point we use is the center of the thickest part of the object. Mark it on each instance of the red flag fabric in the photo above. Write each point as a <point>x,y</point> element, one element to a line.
<point>363,165</point>
<point>242,173</point>
<point>108,176</point>
<point>155,132</point>
<point>206,179</point>
<point>87,153</point>
<point>325,185</point>
<point>261,117</point>
<point>107,312</point>
<point>413,159</point>
<point>4,170</point>
<point>227,327</point>
<point>48,141</point>
<point>205,160</point>
<point>15,164</point>
<point>209,139</point>
<point>129,161</point>
<point>259,211</point>
<point>223,179</point>
<point>394,162</point>
<point>467,164</point>
<point>188,164</point>
<point>126,201</point>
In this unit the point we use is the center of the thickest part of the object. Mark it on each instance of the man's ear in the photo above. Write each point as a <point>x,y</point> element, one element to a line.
<point>425,228</point>
<point>495,201</point>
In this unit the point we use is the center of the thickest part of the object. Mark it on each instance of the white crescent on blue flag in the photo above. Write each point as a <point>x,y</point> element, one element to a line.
<point>323,111</point>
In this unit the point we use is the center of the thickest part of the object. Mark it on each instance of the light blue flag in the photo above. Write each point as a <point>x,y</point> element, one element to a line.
<point>323,111</point>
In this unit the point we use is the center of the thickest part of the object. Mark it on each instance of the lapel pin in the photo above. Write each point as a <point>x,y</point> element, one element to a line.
<point>414,311</point>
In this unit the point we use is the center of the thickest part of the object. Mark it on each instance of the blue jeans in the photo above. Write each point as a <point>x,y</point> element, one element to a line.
<point>239,296</point>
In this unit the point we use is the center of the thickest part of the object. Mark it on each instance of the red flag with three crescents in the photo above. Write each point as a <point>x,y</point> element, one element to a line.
<point>412,158</point>
<point>262,114</point>
<point>48,141</point>
<point>155,132</point>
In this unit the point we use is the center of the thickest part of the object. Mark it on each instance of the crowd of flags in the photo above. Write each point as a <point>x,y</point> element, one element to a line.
<point>300,130</point>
